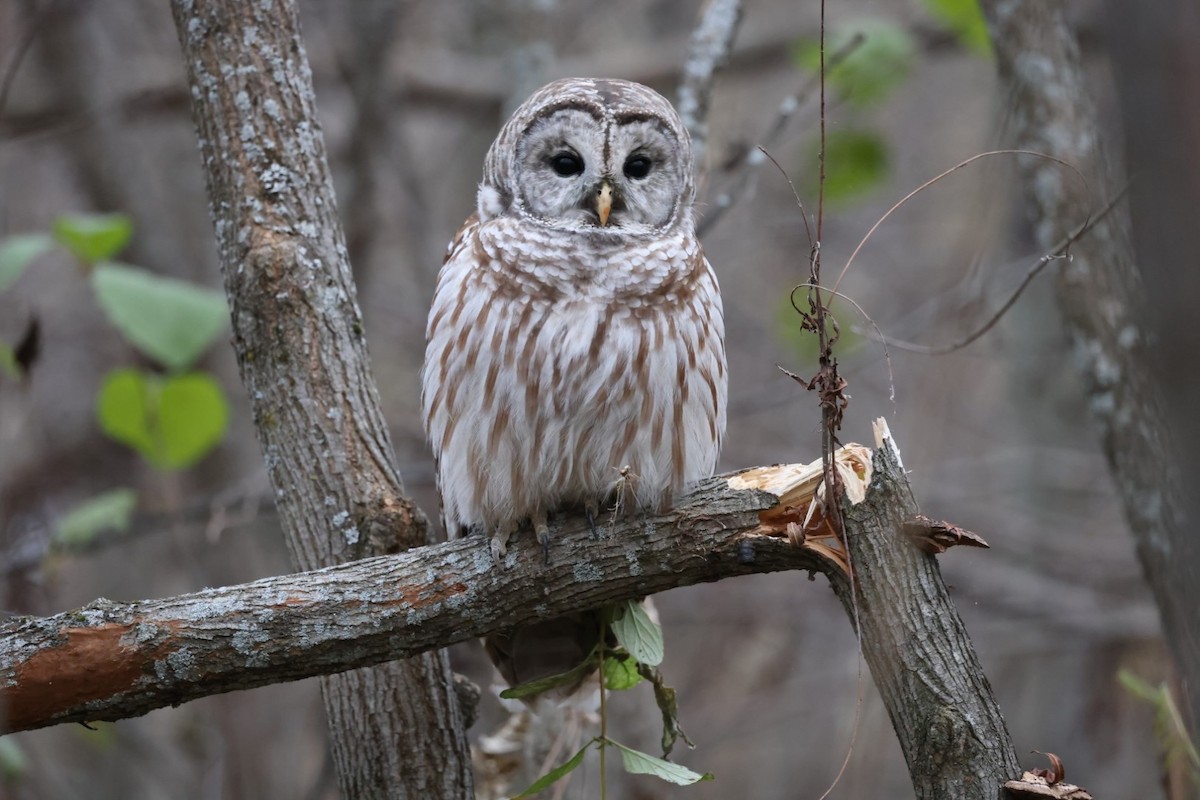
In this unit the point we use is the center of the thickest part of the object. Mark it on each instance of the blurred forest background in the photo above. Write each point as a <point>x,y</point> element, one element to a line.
<point>996,436</point>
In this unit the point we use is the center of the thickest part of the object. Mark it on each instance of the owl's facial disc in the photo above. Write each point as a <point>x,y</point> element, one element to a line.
<point>585,168</point>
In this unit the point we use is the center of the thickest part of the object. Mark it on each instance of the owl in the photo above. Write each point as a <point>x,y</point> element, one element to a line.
<point>575,347</point>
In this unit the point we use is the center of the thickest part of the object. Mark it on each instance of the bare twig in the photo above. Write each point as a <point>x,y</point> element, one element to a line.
<point>745,167</point>
<point>965,162</point>
<point>711,43</point>
<point>1061,250</point>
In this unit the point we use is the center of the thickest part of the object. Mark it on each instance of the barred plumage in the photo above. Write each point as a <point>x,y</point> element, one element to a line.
<point>577,327</point>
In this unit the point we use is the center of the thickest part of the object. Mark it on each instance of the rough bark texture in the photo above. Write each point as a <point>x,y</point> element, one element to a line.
<point>1101,298</point>
<point>1157,69</point>
<point>110,660</point>
<point>114,660</point>
<point>921,658</point>
<point>397,731</point>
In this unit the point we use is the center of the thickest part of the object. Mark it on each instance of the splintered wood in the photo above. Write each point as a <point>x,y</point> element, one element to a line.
<point>800,514</point>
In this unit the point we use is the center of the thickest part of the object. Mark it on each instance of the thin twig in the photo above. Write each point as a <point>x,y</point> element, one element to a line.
<point>1061,250</point>
<point>745,168</point>
<point>879,337</point>
<point>26,41</point>
<point>708,51</point>
<point>934,180</point>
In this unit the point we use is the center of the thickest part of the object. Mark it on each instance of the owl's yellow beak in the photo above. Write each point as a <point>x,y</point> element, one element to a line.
<point>604,201</point>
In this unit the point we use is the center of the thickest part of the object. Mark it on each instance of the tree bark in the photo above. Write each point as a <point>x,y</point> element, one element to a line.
<point>396,729</point>
<point>1102,300</point>
<point>110,661</point>
<point>1157,71</point>
<point>942,707</point>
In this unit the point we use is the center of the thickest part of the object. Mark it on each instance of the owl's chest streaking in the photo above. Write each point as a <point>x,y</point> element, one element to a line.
<point>553,364</point>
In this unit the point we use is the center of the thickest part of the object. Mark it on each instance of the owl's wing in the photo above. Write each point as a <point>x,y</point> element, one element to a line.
<point>461,239</point>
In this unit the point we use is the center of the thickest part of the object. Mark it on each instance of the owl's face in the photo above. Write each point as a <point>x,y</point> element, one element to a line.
<point>592,155</point>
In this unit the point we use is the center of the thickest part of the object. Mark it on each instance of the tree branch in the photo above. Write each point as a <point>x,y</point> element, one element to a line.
<point>942,708</point>
<point>708,50</point>
<point>397,730</point>
<point>109,660</point>
<point>114,660</point>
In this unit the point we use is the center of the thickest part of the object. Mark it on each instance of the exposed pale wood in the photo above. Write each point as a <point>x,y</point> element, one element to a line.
<point>940,702</point>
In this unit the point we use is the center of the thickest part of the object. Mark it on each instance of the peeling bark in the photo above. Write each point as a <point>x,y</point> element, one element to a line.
<point>397,731</point>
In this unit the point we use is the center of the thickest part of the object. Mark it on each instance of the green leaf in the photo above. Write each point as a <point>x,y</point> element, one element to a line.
<point>637,633</point>
<point>555,774</point>
<point>965,20</point>
<point>93,237</point>
<point>17,252</point>
<point>621,673</point>
<point>872,69</point>
<point>13,763</point>
<point>573,675</point>
<point>639,763</point>
<point>173,422</point>
<point>855,163</point>
<point>111,510</point>
<point>169,320</point>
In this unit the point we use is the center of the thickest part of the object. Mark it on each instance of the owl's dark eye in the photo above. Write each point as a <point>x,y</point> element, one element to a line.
<point>637,166</point>
<point>566,164</point>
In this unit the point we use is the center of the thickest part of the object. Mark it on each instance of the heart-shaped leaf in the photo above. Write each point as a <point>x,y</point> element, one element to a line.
<point>169,320</point>
<point>93,237</point>
<point>173,422</point>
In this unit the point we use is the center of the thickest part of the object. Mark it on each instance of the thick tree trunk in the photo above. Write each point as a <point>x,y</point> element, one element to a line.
<point>1157,69</point>
<point>1102,300</point>
<point>396,729</point>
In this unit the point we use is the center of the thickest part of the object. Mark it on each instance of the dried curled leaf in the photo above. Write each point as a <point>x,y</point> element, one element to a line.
<point>937,536</point>
<point>1034,787</point>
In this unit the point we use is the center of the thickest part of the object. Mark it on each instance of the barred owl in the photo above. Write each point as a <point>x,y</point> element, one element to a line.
<point>576,341</point>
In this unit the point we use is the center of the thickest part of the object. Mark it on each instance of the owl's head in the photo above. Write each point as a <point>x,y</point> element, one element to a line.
<point>591,155</point>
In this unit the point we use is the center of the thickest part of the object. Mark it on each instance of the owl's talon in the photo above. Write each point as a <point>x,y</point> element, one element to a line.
<point>590,509</point>
<point>499,543</point>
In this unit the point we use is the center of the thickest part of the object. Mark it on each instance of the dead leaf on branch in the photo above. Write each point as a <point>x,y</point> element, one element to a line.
<point>938,536</point>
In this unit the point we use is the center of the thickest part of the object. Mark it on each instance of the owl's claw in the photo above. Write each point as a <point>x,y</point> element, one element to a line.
<point>543,533</point>
<point>499,548</point>
<point>590,509</point>
<point>499,542</point>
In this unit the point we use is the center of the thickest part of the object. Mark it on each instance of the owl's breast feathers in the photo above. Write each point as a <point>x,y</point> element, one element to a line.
<point>555,361</point>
